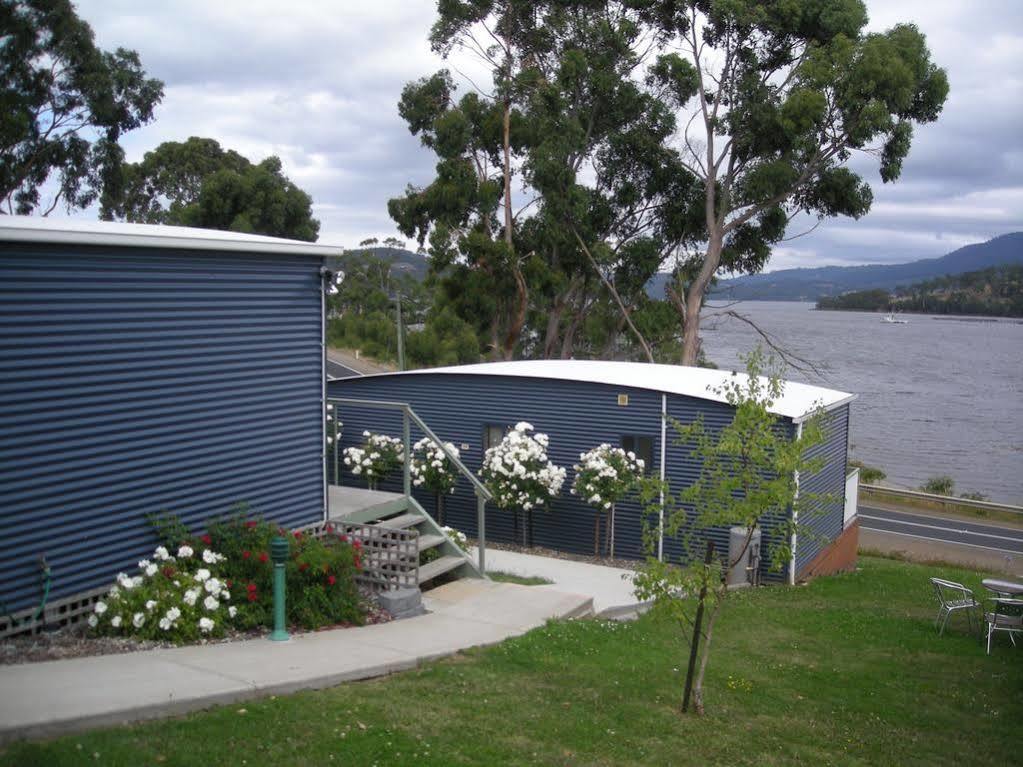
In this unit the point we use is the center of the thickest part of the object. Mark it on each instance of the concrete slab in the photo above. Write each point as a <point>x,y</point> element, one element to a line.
<point>348,500</point>
<point>610,587</point>
<point>58,697</point>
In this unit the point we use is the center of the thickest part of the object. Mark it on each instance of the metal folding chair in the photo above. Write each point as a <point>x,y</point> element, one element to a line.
<point>954,596</point>
<point>1006,615</point>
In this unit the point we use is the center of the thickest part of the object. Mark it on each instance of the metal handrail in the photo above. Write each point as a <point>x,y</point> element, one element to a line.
<point>481,489</point>
<point>482,493</point>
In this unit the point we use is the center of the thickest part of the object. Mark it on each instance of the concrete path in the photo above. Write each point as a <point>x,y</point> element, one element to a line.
<point>610,587</point>
<point>57,697</point>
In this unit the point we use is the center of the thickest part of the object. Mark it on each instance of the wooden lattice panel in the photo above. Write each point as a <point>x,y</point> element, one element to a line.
<point>390,557</point>
<point>66,611</point>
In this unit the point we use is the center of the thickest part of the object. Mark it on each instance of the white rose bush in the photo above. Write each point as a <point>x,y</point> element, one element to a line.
<point>177,597</point>
<point>432,470</point>
<point>603,476</point>
<point>378,456</point>
<point>520,475</point>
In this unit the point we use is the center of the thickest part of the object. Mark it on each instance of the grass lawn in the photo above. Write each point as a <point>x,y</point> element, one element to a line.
<point>522,580</point>
<point>848,670</point>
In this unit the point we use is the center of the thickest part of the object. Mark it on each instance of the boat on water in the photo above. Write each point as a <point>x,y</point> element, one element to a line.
<point>892,319</point>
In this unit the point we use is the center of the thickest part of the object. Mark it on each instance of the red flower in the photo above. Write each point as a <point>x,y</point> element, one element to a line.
<point>358,564</point>
<point>329,528</point>
<point>303,566</point>
<point>343,538</point>
<point>230,583</point>
<point>253,596</point>
<point>169,571</point>
<point>251,587</point>
<point>251,524</point>
<point>298,535</point>
<point>246,554</point>
<point>331,580</point>
<point>264,557</point>
<point>357,544</point>
<point>207,540</point>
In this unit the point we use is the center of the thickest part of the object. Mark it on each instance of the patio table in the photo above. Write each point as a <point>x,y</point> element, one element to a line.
<point>1003,588</point>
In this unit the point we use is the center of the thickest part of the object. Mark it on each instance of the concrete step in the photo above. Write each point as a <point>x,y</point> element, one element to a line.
<point>439,567</point>
<point>429,541</point>
<point>401,521</point>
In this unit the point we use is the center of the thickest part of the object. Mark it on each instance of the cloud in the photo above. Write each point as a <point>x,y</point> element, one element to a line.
<point>317,83</point>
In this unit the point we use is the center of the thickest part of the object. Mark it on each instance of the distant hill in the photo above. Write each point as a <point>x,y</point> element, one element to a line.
<point>402,261</point>
<point>811,284</point>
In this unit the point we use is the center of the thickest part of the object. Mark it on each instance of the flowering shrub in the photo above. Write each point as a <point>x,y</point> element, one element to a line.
<point>320,574</point>
<point>604,476</point>
<point>431,468</point>
<point>457,537</point>
<point>378,457</point>
<point>518,473</point>
<point>176,598</point>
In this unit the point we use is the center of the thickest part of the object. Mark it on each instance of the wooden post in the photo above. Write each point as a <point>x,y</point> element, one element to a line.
<point>694,646</point>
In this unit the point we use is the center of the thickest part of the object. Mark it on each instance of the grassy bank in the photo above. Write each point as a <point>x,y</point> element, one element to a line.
<point>846,671</point>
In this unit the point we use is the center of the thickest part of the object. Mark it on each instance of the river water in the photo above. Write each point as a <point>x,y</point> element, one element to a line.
<point>935,396</point>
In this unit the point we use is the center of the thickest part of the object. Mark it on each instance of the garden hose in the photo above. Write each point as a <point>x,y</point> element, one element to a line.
<point>46,578</point>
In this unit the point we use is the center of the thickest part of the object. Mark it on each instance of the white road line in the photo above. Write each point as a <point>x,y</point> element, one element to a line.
<point>945,540</point>
<point>962,530</point>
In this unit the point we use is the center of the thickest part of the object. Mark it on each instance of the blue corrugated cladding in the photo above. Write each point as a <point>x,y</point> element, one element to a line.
<point>576,415</point>
<point>823,508</point>
<point>682,469</point>
<point>134,381</point>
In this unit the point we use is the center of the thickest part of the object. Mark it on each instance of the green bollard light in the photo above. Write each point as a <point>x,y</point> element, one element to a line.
<point>279,555</point>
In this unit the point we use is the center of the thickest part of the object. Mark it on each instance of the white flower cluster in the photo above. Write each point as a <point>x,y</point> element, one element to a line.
<point>518,471</point>
<point>378,456</point>
<point>457,537</point>
<point>164,595</point>
<point>330,420</point>
<point>605,474</point>
<point>431,468</point>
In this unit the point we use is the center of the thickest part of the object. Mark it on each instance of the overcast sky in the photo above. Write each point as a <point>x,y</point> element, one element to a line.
<point>317,83</point>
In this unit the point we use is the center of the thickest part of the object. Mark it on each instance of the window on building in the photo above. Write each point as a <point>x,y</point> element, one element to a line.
<point>642,446</point>
<point>493,433</point>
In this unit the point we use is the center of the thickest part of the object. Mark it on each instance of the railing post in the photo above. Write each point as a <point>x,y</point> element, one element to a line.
<point>481,539</point>
<point>406,436</point>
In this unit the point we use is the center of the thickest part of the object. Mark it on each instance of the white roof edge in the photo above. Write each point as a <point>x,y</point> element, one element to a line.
<point>35,229</point>
<point>798,402</point>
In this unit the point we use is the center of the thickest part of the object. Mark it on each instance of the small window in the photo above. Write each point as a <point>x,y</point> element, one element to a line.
<point>493,433</point>
<point>642,446</point>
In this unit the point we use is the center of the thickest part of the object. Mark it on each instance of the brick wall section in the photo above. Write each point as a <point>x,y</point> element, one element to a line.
<point>839,556</point>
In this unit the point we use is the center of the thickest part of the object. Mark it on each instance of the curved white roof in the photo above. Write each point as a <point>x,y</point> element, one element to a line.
<point>88,232</point>
<point>798,401</point>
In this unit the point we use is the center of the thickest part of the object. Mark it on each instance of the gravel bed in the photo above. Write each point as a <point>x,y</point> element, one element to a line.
<point>76,642</point>
<point>540,551</point>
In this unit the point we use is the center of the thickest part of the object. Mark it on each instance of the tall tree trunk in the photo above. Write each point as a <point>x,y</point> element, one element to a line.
<point>694,298</point>
<point>518,319</point>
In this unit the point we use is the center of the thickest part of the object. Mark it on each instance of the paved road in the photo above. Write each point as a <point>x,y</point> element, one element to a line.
<point>943,529</point>
<point>337,370</point>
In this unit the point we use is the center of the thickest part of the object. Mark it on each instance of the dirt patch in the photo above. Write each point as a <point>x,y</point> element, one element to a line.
<point>540,551</point>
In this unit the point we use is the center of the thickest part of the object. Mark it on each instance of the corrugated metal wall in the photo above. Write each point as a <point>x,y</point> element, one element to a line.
<point>576,416</point>
<point>823,492</point>
<point>136,380</point>
<point>683,468</point>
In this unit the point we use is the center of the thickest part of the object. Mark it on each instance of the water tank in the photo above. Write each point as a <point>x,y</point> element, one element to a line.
<point>746,571</point>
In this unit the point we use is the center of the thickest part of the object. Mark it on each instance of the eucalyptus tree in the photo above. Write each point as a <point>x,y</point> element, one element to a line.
<point>66,104</point>
<point>776,98</point>
<point>198,183</point>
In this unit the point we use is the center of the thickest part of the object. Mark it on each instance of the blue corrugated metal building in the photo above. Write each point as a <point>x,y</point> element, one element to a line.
<point>145,369</point>
<point>581,404</point>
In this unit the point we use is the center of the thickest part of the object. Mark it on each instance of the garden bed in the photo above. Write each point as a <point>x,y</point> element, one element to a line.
<point>77,642</point>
